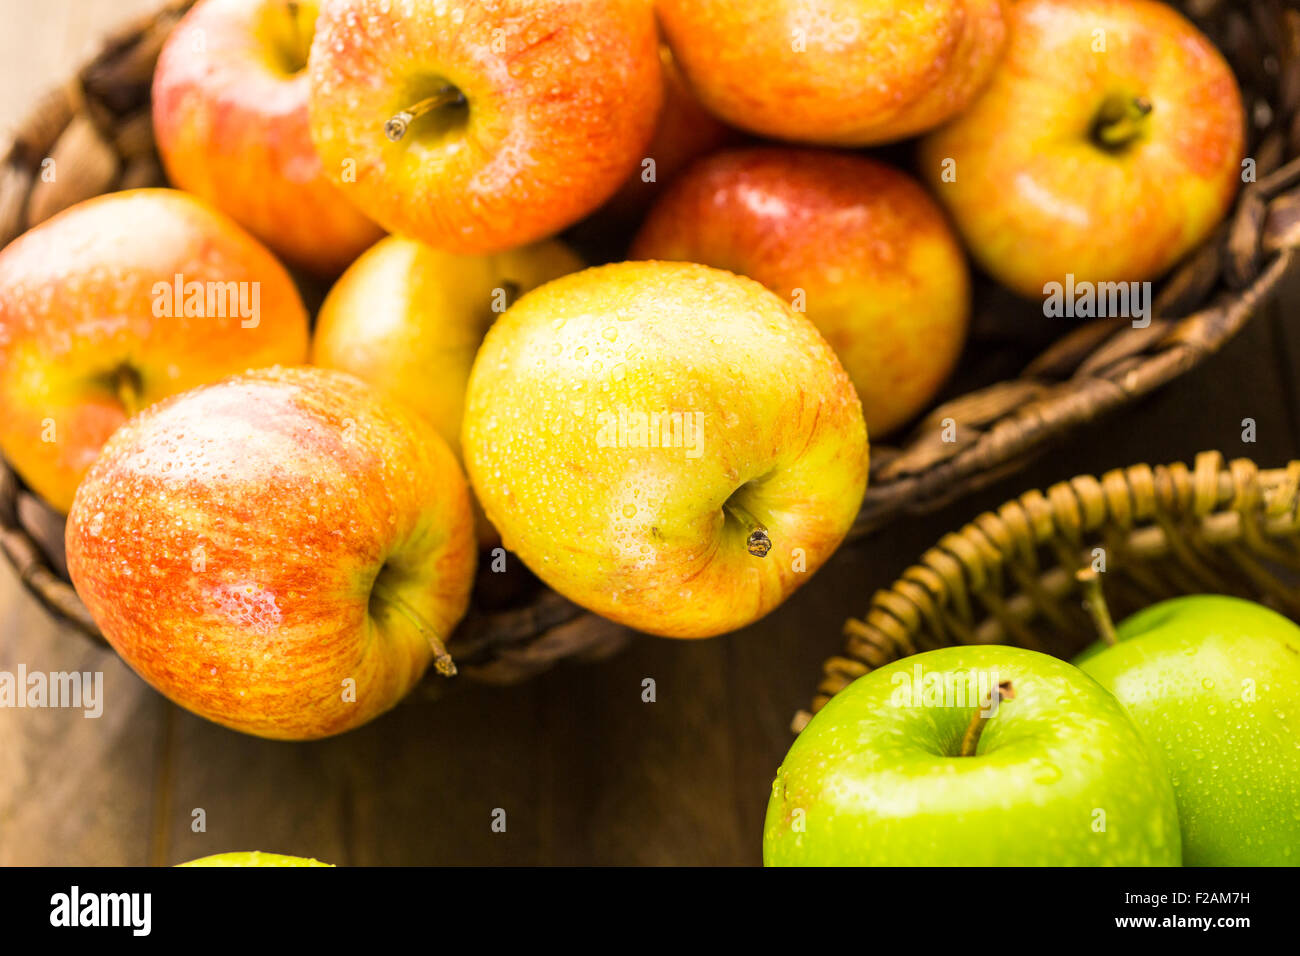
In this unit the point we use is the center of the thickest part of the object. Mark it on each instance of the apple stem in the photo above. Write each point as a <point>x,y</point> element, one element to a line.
<point>295,41</point>
<point>971,739</point>
<point>442,661</point>
<point>127,388</point>
<point>757,540</point>
<point>1120,121</point>
<point>400,122</point>
<point>1094,599</point>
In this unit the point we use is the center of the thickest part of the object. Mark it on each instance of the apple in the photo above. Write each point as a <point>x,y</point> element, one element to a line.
<point>409,319</point>
<point>120,301</point>
<point>972,756</point>
<point>1107,145</point>
<point>686,131</point>
<point>1213,683</point>
<point>840,72</point>
<point>254,858</point>
<point>666,444</point>
<point>477,127</point>
<point>230,119</point>
<point>281,553</point>
<point>856,243</point>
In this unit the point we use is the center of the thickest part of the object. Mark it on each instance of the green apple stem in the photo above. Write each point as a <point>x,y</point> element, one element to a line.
<point>1094,599</point>
<point>1120,121</point>
<point>971,739</point>
<point>442,661</point>
<point>756,540</point>
<point>400,122</point>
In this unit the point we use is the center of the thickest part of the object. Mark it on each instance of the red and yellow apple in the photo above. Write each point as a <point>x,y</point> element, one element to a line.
<point>230,119</point>
<point>855,243</point>
<point>120,301</point>
<point>478,127</point>
<point>668,445</point>
<point>409,320</point>
<point>282,553</point>
<point>1107,145</point>
<point>841,72</point>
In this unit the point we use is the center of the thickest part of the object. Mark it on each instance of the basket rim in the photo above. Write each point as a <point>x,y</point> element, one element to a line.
<point>1256,248</point>
<point>1163,511</point>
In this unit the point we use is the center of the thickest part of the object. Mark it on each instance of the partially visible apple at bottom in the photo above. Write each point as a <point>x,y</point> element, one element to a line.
<point>1213,682</point>
<point>253,858</point>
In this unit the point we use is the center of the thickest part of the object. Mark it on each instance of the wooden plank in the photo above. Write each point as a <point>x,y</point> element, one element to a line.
<point>417,786</point>
<point>73,789</point>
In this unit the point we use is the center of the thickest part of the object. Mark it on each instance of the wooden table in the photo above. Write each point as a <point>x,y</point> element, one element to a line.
<point>586,772</point>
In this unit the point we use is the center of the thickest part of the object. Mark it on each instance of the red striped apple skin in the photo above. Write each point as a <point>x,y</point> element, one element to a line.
<point>880,271</point>
<point>231,125</point>
<point>77,303</point>
<point>561,101</point>
<point>227,542</point>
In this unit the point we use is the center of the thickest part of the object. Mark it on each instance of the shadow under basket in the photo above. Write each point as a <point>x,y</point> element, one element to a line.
<point>1021,387</point>
<point>1009,577</point>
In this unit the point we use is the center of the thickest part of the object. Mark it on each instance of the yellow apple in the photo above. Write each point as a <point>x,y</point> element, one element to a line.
<point>667,444</point>
<point>409,319</point>
<point>253,858</point>
<point>1107,145</point>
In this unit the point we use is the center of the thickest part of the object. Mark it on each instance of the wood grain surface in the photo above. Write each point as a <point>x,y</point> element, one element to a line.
<point>586,772</point>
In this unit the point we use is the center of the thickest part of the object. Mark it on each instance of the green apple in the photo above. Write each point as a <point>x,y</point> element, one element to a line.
<point>1213,682</point>
<point>918,764</point>
<point>253,858</point>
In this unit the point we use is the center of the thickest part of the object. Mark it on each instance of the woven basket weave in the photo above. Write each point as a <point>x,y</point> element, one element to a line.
<point>1008,577</point>
<point>1018,391</point>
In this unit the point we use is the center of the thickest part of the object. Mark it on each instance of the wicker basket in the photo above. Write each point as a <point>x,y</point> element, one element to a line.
<point>1008,577</point>
<point>1016,393</point>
